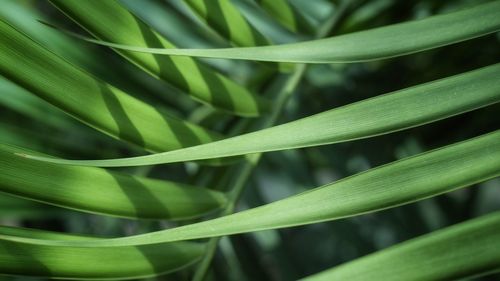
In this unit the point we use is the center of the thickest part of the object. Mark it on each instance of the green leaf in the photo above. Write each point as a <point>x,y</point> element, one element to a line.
<point>25,18</point>
<point>42,234</point>
<point>395,111</point>
<point>282,11</point>
<point>401,182</point>
<point>99,191</point>
<point>90,263</point>
<point>12,207</point>
<point>18,99</point>
<point>66,135</point>
<point>267,24</point>
<point>124,76</point>
<point>286,14</point>
<point>223,16</point>
<point>90,100</point>
<point>379,43</point>
<point>226,20</point>
<point>463,250</point>
<point>108,20</point>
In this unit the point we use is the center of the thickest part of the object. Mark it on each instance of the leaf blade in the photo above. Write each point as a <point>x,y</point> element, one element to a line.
<point>108,20</point>
<point>287,15</point>
<point>462,250</point>
<point>228,21</point>
<point>395,184</point>
<point>107,193</point>
<point>391,112</point>
<point>385,42</point>
<point>90,263</point>
<point>90,100</point>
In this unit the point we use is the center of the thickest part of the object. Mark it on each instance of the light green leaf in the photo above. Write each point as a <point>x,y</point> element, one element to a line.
<point>395,111</point>
<point>25,18</point>
<point>99,191</point>
<point>384,42</point>
<point>401,182</point>
<point>108,20</point>
<point>223,17</point>
<point>226,20</point>
<point>90,263</point>
<point>90,100</point>
<point>463,250</point>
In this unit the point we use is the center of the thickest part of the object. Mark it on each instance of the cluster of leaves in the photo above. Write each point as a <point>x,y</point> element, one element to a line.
<point>204,84</point>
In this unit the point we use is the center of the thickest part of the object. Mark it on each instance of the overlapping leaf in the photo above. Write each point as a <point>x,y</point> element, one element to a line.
<point>12,207</point>
<point>127,262</point>
<point>405,181</point>
<point>226,20</point>
<point>286,14</point>
<point>18,99</point>
<point>90,100</point>
<point>223,16</point>
<point>384,42</point>
<point>99,191</point>
<point>37,253</point>
<point>395,111</point>
<point>108,20</point>
<point>463,250</point>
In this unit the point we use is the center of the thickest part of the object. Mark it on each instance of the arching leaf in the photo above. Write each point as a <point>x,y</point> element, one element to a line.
<point>395,111</point>
<point>384,42</point>
<point>99,191</point>
<point>463,250</point>
<point>80,263</point>
<point>401,182</point>
<point>109,21</point>
<point>90,100</point>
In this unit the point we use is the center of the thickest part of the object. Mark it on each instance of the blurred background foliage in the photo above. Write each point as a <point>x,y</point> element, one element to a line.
<point>285,254</point>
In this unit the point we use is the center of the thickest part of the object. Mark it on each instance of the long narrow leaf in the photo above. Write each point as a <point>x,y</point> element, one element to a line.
<point>90,100</point>
<point>384,42</point>
<point>127,262</point>
<point>405,181</point>
<point>380,115</point>
<point>99,191</point>
<point>108,20</point>
<point>463,250</point>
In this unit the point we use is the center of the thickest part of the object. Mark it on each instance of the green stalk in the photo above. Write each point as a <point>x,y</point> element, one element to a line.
<point>247,167</point>
<point>252,161</point>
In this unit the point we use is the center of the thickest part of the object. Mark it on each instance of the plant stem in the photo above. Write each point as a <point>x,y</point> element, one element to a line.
<point>247,167</point>
<point>251,161</point>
